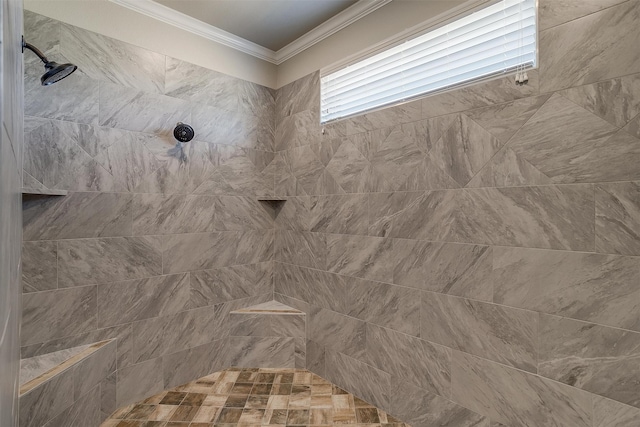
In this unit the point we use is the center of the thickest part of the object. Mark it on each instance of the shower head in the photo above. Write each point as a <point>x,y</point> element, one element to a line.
<point>183,132</point>
<point>54,71</point>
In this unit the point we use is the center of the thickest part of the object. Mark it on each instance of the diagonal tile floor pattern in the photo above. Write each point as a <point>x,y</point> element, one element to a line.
<point>253,397</point>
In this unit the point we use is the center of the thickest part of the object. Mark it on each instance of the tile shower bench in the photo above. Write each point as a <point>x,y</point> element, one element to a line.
<point>267,335</point>
<point>68,387</point>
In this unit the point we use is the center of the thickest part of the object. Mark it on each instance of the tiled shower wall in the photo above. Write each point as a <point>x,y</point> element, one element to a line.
<point>471,258</point>
<point>145,248</point>
<point>11,149</point>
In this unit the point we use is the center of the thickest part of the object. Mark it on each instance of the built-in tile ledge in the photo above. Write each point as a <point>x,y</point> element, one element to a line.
<point>39,369</point>
<point>40,192</point>
<point>269,307</point>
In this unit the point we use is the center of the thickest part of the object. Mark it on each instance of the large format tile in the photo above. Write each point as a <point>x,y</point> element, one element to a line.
<point>590,49</point>
<point>360,256</point>
<point>136,110</point>
<point>124,302</point>
<point>391,306</point>
<point>77,215</point>
<point>498,333</point>
<point>513,397</point>
<point>367,382</point>
<point>88,261</point>
<point>300,95</point>
<point>270,352</point>
<point>210,287</point>
<point>562,132</point>
<point>59,313</point>
<point>449,268</point>
<point>591,287</point>
<point>45,402</point>
<point>184,366</point>
<point>198,251</point>
<point>340,214</point>
<point>618,218</point>
<point>611,413</point>
<point>598,359</point>
<point>422,408</point>
<point>556,12</point>
<point>128,65</point>
<point>337,332</point>
<point>39,266</point>
<point>410,359</point>
<point>139,381</point>
<point>173,214</point>
<point>301,248</point>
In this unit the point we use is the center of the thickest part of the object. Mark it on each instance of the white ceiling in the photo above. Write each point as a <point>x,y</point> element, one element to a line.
<point>270,23</point>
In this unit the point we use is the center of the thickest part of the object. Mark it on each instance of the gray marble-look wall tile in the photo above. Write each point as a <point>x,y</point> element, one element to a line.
<point>305,171</point>
<point>39,266</point>
<point>391,306</point>
<point>591,287</point>
<point>94,369</point>
<point>634,127</point>
<point>269,352</point>
<point>43,403</point>
<point>200,85</point>
<point>301,248</point>
<point>611,413</point>
<point>198,251</point>
<point>617,101</point>
<point>295,214</point>
<point>128,159</point>
<point>618,218</point>
<point>135,110</point>
<point>77,215</point>
<point>341,214</point>
<point>188,365</point>
<point>300,95</point>
<point>315,358</point>
<point>349,168</point>
<point>139,381</point>
<point>337,332</point>
<point>557,217</point>
<point>75,99</point>
<point>594,358</point>
<point>399,163</point>
<point>173,214</point>
<point>54,157</point>
<point>419,407</point>
<point>87,261</point>
<point>85,411</point>
<point>513,397</point>
<point>58,313</point>
<point>504,120</point>
<point>299,129</point>
<point>128,65</point>
<point>448,268</point>
<point>556,12</point>
<point>410,359</point>
<point>174,175</point>
<point>464,149</point>
<point>164,335</point>
<point>479,95</point>
<point>508,169</point>
<point>391,116</point>
<point>494,332</point>
<point>210,287</point>
<point>42,31</point>
<point>360,256</point>
<point>220,126</point>
<point>561,132</point>
<point>242,213</point>
<point>588,49</point>
<point>364,381</point>
<point>124,302</point>
<point>255,246</point>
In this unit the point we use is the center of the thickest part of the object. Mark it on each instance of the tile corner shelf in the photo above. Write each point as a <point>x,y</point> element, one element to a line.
<point>38,192</point>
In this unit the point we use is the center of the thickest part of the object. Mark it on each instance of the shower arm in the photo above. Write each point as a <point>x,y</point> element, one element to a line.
<point>35,50</point>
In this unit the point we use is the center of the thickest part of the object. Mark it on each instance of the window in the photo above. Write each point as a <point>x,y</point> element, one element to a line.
<point>492,41</point>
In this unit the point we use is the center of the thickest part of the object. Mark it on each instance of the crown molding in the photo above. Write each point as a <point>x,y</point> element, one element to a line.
<point>329,27</point>
<point>185,22</point>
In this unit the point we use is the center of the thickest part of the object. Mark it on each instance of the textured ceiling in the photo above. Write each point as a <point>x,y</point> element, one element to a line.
<point>269,23</point>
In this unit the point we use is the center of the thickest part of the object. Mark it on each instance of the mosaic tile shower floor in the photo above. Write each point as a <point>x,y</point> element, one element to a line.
<point>253,397</point>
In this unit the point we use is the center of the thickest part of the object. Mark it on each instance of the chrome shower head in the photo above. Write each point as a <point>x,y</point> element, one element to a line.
<point>54,71</point>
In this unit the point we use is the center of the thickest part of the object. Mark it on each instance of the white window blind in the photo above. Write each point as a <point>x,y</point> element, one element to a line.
<point>491,41</point>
